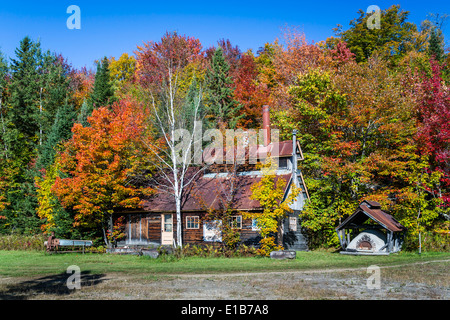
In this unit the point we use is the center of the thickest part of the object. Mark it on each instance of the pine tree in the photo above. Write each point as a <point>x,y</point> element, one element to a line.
<point>84,114</point>
<point>58,112</point>
<point>25,90</point>
<point>435,48</point>
<point>193,99</point>
<point>4,69</point>
<point>103,91</point>
<point>56,88</point>
<point>21,136</point>
<point>221,106</point>
<point>59,132</point>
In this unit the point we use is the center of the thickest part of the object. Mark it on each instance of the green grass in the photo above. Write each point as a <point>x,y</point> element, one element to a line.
<point>29,263</point>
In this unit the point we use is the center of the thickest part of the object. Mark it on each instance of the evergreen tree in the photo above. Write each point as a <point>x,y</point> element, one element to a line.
<point>56,87</point>
<point>25,94</point>
<point>21,135</point>
<point>38,89</point>
<point>60,131</point>
<point>221,106</point>
<point>4,69</point>
<point>58,111</point>
<point>84,114</point>
<point>190,104</point>
<point>103,91</point>
<point>435,48</point>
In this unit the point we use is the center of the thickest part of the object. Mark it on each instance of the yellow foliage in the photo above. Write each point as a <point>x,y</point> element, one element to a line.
<point>270,192</point>
<point>45,196</point>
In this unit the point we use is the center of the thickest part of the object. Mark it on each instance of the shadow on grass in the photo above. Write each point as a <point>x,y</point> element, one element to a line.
<point>48,285</point>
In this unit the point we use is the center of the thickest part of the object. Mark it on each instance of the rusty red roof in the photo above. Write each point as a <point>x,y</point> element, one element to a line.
<point>372,209</point>
<point>211,191</point>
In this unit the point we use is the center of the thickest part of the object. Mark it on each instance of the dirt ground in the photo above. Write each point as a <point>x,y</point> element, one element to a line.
<point>422,281</point>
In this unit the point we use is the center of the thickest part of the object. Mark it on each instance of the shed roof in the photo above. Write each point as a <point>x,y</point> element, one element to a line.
<point>372,210</point>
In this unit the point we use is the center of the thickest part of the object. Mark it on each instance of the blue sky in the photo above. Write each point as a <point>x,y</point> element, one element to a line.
<point>109,28</point>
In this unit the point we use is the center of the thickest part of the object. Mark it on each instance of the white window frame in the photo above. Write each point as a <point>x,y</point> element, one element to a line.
<point>255,225</point>
<point>233,219</point>
<point>195,220</point>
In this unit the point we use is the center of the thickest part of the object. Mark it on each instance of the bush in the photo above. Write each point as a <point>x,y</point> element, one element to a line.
<point>431,241</point>
<point>207,251</point>
<point>22,242</point>
<point>267,246</point>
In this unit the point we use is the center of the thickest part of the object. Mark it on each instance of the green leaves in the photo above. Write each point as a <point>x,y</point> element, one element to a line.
<point>395,37</point>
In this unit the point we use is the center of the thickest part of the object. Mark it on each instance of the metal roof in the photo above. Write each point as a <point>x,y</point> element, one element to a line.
<point>372,210</point>
<point>211,192</point>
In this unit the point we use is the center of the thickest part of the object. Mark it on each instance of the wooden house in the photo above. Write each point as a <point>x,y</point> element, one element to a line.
<point>370,231</point>
<point>155,223</point>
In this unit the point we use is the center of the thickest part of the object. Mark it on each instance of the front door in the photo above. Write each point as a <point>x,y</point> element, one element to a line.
<point>166,229</point>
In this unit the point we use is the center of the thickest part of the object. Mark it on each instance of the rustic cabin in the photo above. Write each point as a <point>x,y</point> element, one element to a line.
<point>370,231</point>
<point>156,224</point>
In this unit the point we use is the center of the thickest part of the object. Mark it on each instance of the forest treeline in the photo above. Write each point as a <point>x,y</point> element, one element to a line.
<point>371,106</point>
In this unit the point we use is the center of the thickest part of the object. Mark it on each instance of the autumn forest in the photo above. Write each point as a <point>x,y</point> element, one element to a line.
<point>371,107</point>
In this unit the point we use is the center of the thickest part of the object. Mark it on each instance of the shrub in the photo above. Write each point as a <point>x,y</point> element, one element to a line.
<point>431,241</point>
<point>22,242</point>
<point>267,246</point>
<point>207,251</point>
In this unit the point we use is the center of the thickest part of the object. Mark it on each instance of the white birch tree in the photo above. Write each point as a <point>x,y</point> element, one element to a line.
<point>176,113</point>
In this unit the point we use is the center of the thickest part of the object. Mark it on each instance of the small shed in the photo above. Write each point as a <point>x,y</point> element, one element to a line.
<point>370,231</point>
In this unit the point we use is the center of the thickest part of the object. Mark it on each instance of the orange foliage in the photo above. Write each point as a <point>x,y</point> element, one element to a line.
<point>101,160</point>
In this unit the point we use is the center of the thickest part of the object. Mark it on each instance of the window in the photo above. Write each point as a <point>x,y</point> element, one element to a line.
<point>192,222</point>
<point>283,163</point>
<point>293,223</point>
<point>236,222</point>
<point>168,223</point>
<point>255,225</point>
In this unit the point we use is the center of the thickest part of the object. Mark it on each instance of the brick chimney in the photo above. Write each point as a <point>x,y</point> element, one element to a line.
<point>266,125</point>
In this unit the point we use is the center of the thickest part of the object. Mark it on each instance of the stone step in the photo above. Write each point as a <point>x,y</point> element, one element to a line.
<point>295,241</point>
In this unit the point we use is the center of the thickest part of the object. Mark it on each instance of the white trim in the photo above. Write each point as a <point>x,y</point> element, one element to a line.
<point>195,223</point>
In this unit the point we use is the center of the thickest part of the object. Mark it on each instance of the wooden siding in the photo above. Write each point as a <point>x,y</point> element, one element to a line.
<point>154,227</point>
<point>145,229</point>
<point>140,229</point>
<point>193,236</point>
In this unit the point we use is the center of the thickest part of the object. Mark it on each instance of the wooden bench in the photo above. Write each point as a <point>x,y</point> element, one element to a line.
<point>53,244</point>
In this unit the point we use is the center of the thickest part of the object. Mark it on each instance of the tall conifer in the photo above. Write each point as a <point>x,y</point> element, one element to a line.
<point>221,106</point>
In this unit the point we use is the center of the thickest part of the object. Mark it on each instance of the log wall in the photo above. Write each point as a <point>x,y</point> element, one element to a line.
<point>145,229</point>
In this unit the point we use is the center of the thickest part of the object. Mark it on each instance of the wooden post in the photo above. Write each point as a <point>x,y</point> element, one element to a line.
<point>390,237</point>
<point>339,233</point>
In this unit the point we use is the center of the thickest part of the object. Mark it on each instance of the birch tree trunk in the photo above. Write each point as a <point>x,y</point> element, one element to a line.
<point>178,157</point>
<point>160,65</point>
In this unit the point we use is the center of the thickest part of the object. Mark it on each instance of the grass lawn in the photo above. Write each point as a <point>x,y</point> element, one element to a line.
<point>31,263</point>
